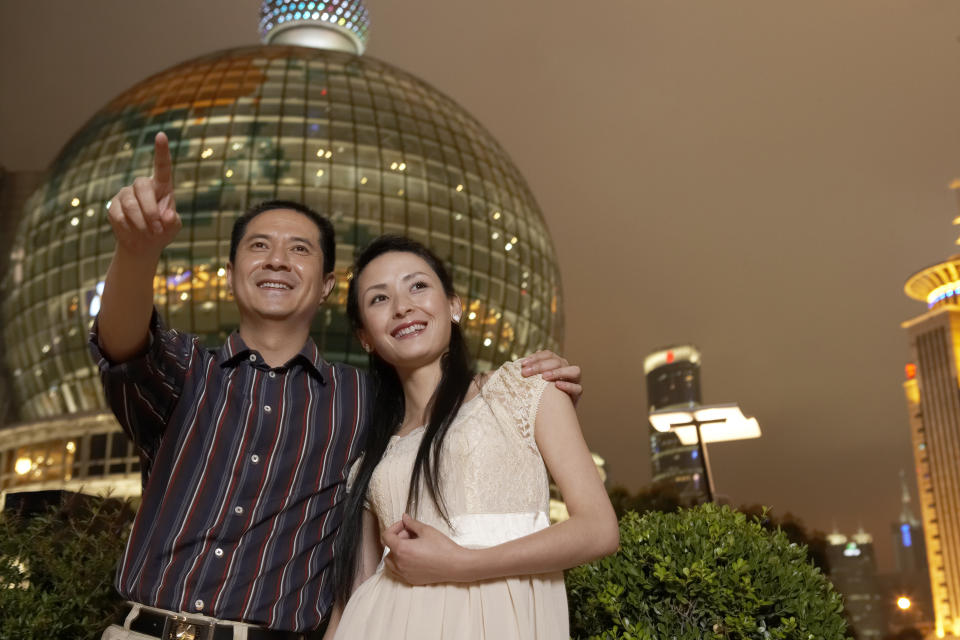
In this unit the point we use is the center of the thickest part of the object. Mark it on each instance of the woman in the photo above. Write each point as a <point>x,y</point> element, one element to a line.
<point>453,480</point>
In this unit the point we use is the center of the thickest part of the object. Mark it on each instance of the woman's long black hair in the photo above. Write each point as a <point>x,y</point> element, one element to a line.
<point>388,412</point>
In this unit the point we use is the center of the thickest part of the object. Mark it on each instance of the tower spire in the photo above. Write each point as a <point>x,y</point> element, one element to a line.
<point>906,513</point>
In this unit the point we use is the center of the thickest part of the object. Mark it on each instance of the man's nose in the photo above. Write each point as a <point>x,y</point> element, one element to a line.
<point>277,259</point>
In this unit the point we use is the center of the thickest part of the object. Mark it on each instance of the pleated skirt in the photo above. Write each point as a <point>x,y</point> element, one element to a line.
<point>521,608</point>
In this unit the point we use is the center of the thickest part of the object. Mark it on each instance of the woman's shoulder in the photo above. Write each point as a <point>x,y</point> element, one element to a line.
<point>508,379</point>
<point>514,398</point>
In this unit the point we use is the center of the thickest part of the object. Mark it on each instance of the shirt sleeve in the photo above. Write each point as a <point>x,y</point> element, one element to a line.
<point>143,391</point>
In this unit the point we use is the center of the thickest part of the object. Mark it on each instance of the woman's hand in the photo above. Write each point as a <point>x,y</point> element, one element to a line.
<point>420,554</point>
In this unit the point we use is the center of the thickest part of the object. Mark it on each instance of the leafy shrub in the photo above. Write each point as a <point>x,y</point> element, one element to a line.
<point>57,569</point>
<point>647,499</point>
<point>792,527</point>
<point>705,572</point>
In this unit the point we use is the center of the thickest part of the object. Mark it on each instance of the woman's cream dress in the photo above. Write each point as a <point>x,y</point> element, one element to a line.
<point>495,487</point>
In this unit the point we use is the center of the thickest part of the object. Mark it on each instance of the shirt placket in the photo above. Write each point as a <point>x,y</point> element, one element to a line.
<point>242,501</point>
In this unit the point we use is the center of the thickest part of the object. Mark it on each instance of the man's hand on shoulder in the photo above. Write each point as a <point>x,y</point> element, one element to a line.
<point>565,376</point>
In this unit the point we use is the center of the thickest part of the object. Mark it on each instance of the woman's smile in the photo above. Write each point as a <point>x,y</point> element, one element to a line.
<point>409,330</point>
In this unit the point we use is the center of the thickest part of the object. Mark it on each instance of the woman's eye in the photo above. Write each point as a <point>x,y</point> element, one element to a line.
<point>378,298</point>
<point>420,284</point>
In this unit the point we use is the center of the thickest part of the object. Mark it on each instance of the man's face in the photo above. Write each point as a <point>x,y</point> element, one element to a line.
<point>277,273</point>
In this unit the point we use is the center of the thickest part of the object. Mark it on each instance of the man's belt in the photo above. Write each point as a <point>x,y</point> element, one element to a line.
<point>171,626</point>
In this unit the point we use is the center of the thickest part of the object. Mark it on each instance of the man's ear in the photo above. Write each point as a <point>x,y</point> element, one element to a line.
<point>329,282</point>
<point>230,278</point>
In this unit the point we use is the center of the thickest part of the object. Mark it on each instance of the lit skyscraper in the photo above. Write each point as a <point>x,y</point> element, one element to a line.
<point>673,380</point>
<point>933,403</point>
<point>853,571</point>
<point>910,548</point>
<point>911,580</point>
<point>303,117</point>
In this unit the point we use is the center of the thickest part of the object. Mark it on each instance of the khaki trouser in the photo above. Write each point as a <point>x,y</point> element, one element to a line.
<point>116,632</point>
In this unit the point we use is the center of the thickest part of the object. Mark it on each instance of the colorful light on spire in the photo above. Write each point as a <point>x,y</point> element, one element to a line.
<point>349,18</point>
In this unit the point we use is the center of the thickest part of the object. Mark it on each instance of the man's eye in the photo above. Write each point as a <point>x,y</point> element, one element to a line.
<point>300,249</point>
<point>258,245</point>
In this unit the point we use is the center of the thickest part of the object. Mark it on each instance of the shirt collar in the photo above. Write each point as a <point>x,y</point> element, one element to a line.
<point>235,349</point>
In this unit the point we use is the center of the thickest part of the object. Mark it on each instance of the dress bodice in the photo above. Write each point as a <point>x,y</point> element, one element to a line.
<point>489,464</point>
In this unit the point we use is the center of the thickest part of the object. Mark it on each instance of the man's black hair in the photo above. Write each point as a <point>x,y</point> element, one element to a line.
<point>328,243</point>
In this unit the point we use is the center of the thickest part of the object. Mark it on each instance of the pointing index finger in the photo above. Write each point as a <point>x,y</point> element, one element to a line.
<point>162,163</point>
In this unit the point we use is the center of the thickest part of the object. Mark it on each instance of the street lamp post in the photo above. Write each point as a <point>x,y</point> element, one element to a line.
<point>700,424</point>
<point>702,452</point>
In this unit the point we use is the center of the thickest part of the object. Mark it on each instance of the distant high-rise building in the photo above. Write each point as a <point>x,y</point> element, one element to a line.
<point>673,380</point>
<point>933,403</point>
<point>853,571</point>
<point>907,590</point>
<point>908,542</point>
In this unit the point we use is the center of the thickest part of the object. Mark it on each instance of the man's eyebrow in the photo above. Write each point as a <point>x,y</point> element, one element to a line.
<point>264,236</point>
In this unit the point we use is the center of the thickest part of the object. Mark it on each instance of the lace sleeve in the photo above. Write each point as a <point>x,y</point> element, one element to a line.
<point>351,478</point>
<point>519,398</point>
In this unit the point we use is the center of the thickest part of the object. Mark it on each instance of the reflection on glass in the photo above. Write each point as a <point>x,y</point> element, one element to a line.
<point>367,144</point>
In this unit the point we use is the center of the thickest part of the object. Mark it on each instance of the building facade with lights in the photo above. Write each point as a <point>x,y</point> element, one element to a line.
<point>305,117</point>
<point>15,188</point>
<point>933,404</point>
<point>853,571</point>
<point>673,380</point>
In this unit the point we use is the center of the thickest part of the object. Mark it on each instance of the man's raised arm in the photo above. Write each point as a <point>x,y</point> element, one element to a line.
<point>144,220</point>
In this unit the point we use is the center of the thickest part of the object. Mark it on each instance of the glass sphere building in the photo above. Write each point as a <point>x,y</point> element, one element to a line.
<point>371,146</point>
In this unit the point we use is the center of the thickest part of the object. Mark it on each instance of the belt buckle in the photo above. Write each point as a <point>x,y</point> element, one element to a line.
<point>184,628</point>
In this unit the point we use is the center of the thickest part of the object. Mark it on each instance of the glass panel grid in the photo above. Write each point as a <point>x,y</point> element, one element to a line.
<point>374,148</point>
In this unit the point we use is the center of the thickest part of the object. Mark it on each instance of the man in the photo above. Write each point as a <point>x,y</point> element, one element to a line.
<point>247,447</point>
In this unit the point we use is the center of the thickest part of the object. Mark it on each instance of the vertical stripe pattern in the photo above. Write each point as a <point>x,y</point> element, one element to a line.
<point>245,473</point>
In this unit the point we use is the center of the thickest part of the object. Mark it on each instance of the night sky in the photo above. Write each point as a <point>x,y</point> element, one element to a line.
<point>758,178</point>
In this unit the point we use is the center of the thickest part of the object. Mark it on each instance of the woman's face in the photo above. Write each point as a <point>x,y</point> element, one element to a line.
<point>404,310</point>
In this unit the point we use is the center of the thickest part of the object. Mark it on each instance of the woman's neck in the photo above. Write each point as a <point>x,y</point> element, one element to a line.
<point>419,386</point>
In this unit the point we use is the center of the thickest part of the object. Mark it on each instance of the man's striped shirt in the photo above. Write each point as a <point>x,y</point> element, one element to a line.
<point>245,470</point>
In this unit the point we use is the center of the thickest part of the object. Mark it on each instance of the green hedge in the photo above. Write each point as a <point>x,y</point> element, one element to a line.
<point>57,569</point>
<point>705,572</point>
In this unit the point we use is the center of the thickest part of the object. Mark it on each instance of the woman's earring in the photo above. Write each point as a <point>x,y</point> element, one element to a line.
<point>366,347</point>
<point>456,318</point>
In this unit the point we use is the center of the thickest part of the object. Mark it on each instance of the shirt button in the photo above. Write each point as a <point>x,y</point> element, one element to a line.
<point>254,458</point>
<point>218,552</point>
<point>253,357</point>
<point>268,409</point>
<point>238,510</point>
<point>272,374</point>
<point>199,605</point>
